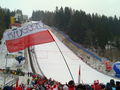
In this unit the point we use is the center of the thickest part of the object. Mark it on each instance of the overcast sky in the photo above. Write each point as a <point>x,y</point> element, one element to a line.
<point>106,7</point>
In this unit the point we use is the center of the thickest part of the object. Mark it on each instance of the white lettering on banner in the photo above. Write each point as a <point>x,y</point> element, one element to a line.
<point>23,31</point>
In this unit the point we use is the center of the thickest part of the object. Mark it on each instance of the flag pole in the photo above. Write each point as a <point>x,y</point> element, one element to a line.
<point>79,75</point>
<point>65,61</point>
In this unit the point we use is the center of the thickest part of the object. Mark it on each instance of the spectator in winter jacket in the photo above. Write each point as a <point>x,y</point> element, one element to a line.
<point>7,88</point>
<point>80,87</point>
<point>112,83</point>
<point>102,86</point>
<point>108,87</point>
<point>96,85</point>
<point>28,81</point>
<point>65,87</point>
<point>88,87</point>
<point>117,85</point>
<point>71,85</point>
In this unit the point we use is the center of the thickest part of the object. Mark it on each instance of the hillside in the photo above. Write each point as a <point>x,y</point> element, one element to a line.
<point>91,61</point>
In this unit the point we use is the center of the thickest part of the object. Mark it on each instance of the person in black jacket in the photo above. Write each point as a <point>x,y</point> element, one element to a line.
<point>117,85</point>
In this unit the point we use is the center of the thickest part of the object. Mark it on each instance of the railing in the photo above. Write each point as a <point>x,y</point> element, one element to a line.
<point>12,82</point>
<point>30,60</point>
<point>34,62</point>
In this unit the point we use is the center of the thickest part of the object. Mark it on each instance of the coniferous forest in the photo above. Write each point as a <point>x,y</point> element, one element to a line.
<point>93,31</point>
<point>5,15</point>
<point>90,30</point>
<point>4,20</point>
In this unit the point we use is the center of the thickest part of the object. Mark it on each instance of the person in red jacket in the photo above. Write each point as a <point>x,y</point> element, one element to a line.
<point>96,85</point>
<point>71,85</point>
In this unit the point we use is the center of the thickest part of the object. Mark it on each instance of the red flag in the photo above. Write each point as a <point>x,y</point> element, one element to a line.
<point>79,75</point>
<point>17,83</point>
<point>31,34</point>
<point>79,71</point>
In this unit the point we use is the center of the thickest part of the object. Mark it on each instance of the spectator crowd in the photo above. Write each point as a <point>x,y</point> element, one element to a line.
<point>37,82</point>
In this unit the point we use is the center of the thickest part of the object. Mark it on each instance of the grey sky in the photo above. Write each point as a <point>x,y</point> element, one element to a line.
<point>106,7</point>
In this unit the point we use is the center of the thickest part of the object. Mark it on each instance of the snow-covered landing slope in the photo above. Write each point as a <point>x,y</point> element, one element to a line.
<point>53,65</point>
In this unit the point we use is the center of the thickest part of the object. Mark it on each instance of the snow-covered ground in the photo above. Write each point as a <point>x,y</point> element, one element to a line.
<point>8,60</point>
<point>53,64</point>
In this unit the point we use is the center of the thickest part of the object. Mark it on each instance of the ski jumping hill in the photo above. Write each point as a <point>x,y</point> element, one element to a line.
<point>51,57</point>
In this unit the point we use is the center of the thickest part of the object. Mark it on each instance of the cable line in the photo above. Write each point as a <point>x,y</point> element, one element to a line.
<point>65,61</point>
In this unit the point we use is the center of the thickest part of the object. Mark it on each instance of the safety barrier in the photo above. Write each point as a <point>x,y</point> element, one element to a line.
<point>33,61</point>
<point>80,47</point>
<point>12,82</point>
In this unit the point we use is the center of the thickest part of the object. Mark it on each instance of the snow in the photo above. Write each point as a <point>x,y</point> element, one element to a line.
<point>53,64</point>
<point>8,60</point>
